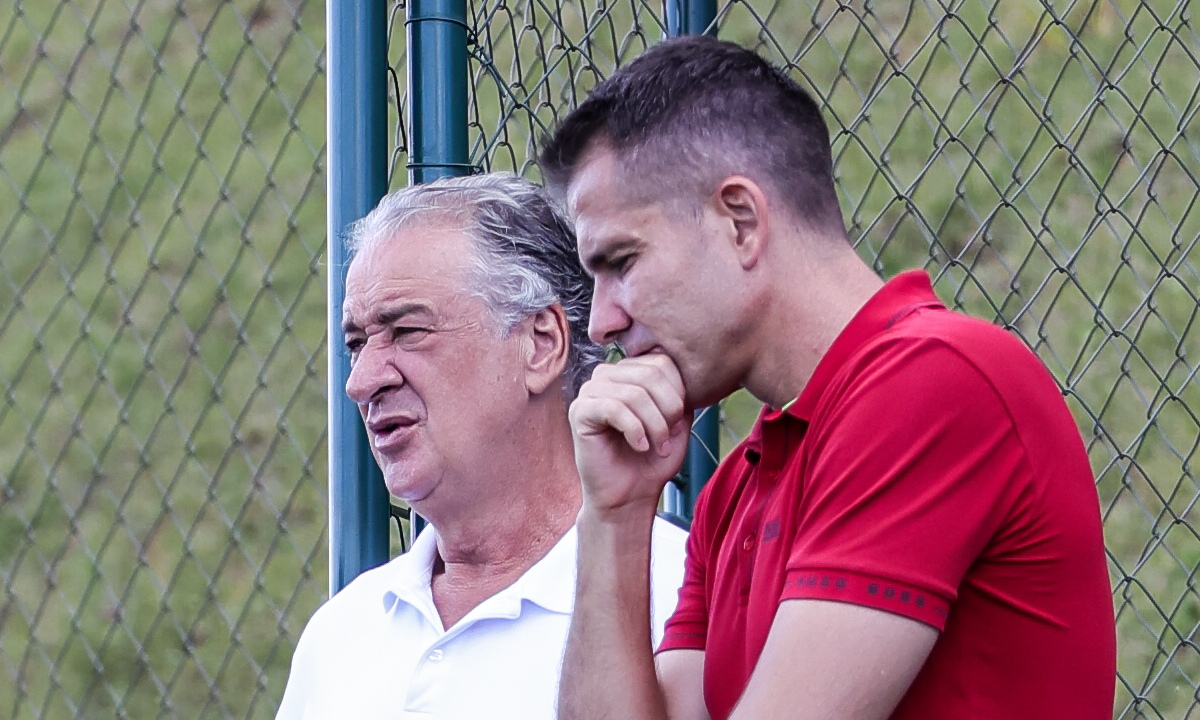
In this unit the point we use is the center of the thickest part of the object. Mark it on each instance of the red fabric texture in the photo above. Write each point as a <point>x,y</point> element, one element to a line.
<point>929,468</point>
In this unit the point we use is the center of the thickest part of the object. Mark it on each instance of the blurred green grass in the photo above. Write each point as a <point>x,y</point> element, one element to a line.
<point>162,316</point>
<point>162,296</point>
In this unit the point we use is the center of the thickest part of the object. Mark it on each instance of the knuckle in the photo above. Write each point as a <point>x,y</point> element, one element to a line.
<point>602,372</point>
<point>633,394</point>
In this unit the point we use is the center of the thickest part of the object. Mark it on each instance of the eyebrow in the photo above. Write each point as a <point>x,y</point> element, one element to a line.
<point>388,315</point>
<point>603,258</point>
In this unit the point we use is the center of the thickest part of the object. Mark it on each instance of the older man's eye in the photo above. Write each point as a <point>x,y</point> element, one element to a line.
<point>408,332</point>
<point>353,345</point>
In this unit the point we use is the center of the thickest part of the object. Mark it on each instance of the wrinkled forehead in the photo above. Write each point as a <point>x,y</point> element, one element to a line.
<point>417,259</point>
<point>410,223</point>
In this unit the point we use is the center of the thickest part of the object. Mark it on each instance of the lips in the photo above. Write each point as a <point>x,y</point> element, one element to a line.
<point>389,432</point>
<point>644,351</point>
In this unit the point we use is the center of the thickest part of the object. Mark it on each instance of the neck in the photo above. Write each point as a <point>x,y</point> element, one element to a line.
<point>505,534</point>
<point>804,318</point>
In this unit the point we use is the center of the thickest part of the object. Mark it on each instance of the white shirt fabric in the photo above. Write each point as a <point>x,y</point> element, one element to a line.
<point>378,650</point>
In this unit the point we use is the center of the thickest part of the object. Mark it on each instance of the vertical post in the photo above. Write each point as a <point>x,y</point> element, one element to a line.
<point>357,177</point>
<point>437,89</point>
<point>691,17</point>
<point>695,17</point>
<point>437,99</point>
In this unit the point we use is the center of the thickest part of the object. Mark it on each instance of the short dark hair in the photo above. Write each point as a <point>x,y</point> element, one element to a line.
<point>700,109</point>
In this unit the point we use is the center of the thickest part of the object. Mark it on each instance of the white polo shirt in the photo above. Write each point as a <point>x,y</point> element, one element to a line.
<point>378,650</point>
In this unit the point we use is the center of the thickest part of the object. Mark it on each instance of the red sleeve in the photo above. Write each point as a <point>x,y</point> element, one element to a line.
<point>687,627</point>
<point>912,462</point>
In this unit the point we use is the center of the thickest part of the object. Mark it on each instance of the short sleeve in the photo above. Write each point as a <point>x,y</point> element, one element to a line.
<point>687,627</point>
<point>913,462</point>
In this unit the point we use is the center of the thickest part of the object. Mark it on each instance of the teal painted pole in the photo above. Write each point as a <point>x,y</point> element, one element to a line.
<point>695,17</point>
<point>437,100</point>
<point>691,17</point>
<point>437,89</point>
<point>356,97</point>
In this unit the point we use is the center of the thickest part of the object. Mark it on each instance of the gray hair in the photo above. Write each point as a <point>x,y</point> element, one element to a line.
<point>525,255</point>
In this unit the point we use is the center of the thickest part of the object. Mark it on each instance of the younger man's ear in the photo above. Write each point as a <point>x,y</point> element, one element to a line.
<point>546,347</point>
<point>743,203</point>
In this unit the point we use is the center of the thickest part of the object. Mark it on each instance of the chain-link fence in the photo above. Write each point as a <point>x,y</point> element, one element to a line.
<point>162,506</point>
<point>1041,160</point>
<point>161,354</point>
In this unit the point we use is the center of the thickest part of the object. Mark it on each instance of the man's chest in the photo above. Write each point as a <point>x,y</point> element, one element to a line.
<point>752,547</point>
<point>496,668</point>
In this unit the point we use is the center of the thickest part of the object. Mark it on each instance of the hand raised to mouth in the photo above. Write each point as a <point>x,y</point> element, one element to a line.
<point>630,427</point>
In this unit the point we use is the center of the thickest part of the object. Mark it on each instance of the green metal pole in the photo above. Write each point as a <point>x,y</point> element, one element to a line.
<point>695,17</point>
<point>437,89</point>
<point>437,97</point>
<point>691,17</point>
<point>357,177</point>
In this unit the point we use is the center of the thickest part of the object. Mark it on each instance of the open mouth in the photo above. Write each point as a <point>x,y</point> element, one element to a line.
<point>387,432</point>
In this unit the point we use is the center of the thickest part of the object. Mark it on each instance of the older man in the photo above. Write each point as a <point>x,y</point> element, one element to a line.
<point>466,322</point>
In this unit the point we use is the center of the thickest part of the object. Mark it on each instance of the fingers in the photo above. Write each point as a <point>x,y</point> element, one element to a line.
<point>656,374</point>
<point>641,398</point>
<point>603,415</point>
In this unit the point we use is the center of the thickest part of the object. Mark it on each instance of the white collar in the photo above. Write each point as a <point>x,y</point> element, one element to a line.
<point>549,583</point>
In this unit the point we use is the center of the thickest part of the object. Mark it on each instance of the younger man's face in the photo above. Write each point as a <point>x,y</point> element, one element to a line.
<point>662,281</point>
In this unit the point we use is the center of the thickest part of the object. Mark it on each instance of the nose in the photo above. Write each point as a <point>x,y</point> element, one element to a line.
<point>608,319</point>
<point>372,372</point>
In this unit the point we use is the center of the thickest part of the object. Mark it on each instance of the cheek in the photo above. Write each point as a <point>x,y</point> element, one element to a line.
<point>657,297</point>
<point>476,383</point>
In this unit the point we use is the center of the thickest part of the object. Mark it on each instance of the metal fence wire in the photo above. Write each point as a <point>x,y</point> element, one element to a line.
<point>161,354</point>
<point>162,341</point>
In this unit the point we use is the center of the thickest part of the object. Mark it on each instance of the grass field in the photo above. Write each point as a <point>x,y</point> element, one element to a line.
<point>162,295</point>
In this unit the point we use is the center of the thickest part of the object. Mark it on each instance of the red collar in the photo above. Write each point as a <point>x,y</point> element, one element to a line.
<point>906,292</point>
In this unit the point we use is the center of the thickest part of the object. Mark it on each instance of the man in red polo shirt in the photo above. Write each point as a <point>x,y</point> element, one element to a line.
<point>912,528</point>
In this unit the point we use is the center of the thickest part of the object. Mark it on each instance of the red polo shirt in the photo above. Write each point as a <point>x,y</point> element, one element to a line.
<point>929,468</point>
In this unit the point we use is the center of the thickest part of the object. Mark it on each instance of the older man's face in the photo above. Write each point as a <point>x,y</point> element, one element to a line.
<point>438,386</point>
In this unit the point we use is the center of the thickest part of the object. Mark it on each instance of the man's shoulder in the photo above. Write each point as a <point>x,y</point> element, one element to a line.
<point>945,330</point>
<point>363,597</point>
<point>956,349</point>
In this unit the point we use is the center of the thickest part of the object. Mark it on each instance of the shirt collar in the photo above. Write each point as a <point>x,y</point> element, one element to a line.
<point>904,293</point>
<point>550,583</point>
<point>412,572</point>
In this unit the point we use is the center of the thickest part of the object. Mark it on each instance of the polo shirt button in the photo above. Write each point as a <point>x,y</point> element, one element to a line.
<point>748,543</point>
<point>436,655</point>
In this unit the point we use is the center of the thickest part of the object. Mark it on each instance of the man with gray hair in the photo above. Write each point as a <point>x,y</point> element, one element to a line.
<point>465,318</point>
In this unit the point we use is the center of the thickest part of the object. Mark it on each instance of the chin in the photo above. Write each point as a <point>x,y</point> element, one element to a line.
<point>697,394</point>
<point>411,487</point>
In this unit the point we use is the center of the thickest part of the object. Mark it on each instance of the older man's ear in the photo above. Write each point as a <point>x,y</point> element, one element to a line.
<point>546,344</point>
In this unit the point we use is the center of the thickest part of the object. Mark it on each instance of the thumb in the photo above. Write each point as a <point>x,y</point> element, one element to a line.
<point>680,432</point>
